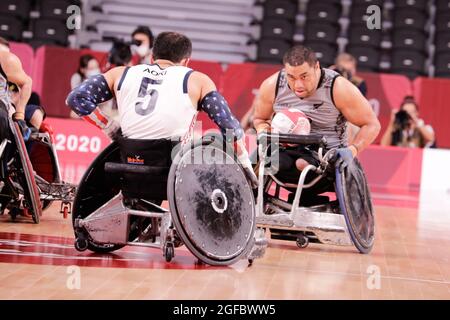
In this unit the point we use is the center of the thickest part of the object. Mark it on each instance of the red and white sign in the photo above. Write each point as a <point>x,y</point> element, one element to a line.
<point>77,144</point>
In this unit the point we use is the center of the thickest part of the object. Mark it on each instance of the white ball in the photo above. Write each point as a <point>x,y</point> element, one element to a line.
<point>291,121</point>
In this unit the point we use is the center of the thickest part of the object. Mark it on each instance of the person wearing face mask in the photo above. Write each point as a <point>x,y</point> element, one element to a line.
<point>87,68</point>
<point>143,43</point>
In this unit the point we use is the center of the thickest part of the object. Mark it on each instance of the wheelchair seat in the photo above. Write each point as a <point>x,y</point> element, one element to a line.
<point>144,167</point>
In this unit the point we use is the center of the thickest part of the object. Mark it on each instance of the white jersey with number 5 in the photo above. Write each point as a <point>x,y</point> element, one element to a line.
<point>153,103</point>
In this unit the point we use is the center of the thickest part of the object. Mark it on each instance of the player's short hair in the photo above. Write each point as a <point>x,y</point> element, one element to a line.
<point>4,42</point>
<point>147,31</point>
<point>172,46</point>
<point>297,55</point>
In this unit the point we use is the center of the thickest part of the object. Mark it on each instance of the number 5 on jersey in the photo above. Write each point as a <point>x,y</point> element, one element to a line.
<point>148,96</point>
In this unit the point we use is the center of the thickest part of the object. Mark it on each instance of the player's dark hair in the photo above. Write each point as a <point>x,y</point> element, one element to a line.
<point>172,46</point>
<point>297,55</point>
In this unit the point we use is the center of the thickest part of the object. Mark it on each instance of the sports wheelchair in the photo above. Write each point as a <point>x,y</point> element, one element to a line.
<point>347,220</point>
<point>30,178</point>
<point>211,203</point>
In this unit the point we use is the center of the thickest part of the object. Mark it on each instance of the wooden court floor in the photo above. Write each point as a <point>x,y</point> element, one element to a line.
<point>410,260</point>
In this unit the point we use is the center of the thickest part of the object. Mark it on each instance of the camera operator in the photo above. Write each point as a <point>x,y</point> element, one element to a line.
<point>120,54</point>
<point>142,44</point>
<point>406,129</point>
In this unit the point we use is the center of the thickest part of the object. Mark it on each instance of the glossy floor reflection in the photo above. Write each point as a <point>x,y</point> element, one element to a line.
<point>410,260</point>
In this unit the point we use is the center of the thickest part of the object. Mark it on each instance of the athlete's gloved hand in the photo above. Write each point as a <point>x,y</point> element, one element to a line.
<point>24,129</point>
<point>113,130</point>
<point>342,158</point>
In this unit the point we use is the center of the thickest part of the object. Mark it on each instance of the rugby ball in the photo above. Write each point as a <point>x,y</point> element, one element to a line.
<point>291,121</point>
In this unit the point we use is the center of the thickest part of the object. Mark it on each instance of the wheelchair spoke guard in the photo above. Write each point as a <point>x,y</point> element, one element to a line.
<point>212,205</point>
<point>355,203</point>
<point>95,189</point>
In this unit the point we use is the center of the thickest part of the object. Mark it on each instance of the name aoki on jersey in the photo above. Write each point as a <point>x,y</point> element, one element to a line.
<point>156,73</point>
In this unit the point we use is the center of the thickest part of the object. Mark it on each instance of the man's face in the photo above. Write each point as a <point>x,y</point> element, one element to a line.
<point>144,43</point>
<point>302,79</point>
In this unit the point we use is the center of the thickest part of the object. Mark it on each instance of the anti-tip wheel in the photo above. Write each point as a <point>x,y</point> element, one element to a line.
<point>169,252</point>
<point>81,244</point>
<point>302,241</point>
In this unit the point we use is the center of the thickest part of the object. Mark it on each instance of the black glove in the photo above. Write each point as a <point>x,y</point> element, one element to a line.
<point>342,158</point>
<point>24,129</point>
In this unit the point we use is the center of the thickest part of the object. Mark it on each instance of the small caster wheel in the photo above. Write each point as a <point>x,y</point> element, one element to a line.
<point>65,212</point>
<point>81,244</point>
<point>169,252</point>
<point>302,241</point>
<point>250,262</point>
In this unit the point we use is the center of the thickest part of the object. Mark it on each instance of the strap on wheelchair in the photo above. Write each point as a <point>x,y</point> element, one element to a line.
<point>316,140</point>
<point>113,167</point>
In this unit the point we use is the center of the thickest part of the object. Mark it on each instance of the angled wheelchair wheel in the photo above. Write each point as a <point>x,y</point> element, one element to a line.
<point>26,176</point>
<point>95,189</point>
<point>356,205</point>
<point>45,165</point>
<point>212,205</point>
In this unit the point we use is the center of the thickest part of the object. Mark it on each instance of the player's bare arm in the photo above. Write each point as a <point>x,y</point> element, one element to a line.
<point>13,69</point>
<point>264,104</point>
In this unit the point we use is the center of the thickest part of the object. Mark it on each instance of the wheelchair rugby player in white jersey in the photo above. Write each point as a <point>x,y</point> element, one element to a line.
<point>118,203</point>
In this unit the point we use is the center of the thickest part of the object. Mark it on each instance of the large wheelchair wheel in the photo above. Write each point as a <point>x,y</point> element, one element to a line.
<point>45,165</point>
<point>356,205</point>
<point>95,189</point>
<point>212,204</point>
<point>25,175</point>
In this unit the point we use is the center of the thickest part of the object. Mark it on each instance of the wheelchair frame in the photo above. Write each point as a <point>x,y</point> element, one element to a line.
<point>37,191</point>
<point>107,228</point>
<point>323,223</point>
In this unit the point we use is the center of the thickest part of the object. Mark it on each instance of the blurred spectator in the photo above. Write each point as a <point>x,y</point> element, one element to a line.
<point>143,43</point>
<point>406,129</point>
<point>346,65</point>
<point>119,55</point>
<point>88,66</point>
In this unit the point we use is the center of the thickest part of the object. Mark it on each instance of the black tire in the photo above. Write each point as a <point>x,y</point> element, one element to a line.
<point>169,252</point>
<point>26,173</point>
<point>183,233</point>
<point>358,213</point>
<point>45,165</point>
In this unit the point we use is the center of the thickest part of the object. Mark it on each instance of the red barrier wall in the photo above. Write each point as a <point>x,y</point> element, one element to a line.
<point>25,54</point>
<point>385,92</point>
<point>434,106</point>
<point>241,82</point>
